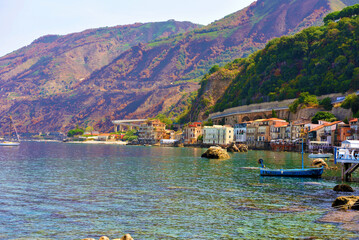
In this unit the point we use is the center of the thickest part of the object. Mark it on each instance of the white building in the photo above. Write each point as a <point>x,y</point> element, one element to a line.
<point>240,132</point>
<point>217,134</point>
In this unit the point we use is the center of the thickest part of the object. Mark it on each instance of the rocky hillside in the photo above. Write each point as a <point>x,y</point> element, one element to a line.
<point>319,60</point>
<point>90,78</point>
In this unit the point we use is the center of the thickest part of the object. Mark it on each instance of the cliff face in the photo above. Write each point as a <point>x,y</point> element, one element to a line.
<point>103,74</point>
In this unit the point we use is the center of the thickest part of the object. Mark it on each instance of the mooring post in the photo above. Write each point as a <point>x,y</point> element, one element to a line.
<point>346,175</point>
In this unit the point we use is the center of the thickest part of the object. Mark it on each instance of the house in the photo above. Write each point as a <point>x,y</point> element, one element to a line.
<point>217,134</point>
<point>278,130</point>
<point>342,133</point>
<point>151,131</point>
<point>192,132</point>
<point>104,137</point>
<point>265,126</point>
<point>240,132</point>
<point>354,129</point>
<point>299,130</point>
<point>251,134</point>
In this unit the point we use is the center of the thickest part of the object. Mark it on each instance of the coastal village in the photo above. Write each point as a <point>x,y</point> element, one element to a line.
<point>128,130</point>
<point>272,133</point>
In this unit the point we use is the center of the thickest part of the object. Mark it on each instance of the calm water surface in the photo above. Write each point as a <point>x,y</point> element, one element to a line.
<point>73,191</point>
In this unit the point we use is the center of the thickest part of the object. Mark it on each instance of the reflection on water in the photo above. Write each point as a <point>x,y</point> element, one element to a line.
<point>73,191</point>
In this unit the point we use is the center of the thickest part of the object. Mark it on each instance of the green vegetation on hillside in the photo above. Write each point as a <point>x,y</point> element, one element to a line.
<point>352,102</point>
<point>318,60</point>
<point>346,12</point>
<point>325,116</point>
<point>304,100</point>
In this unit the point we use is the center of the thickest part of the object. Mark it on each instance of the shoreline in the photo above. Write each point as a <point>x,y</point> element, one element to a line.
<point>99,142</point>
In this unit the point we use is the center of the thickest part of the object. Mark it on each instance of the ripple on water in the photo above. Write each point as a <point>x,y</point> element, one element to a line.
<point>63,191</point>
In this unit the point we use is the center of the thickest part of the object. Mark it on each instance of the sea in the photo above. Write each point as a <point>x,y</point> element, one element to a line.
<point>54,190</point>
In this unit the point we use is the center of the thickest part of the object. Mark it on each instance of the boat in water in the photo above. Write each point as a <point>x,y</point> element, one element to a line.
<point>297,172</point>
<point>320,154</point>
<point>304,172</point>
<point>10,140</point>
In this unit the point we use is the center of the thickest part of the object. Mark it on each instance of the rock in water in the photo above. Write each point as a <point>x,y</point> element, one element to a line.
<point>345,202</point>
<point>104,238</point>
<point>318,162</point>
<point>343,188</point>
<point>242,147</point>
<point>126,237</point>
<point>233,148</point>
<point>216,153</point>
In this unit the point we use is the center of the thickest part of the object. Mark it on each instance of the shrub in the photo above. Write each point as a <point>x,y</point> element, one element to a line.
<point>74,132</point>
<point>326,116</point>
<point>326,103</point>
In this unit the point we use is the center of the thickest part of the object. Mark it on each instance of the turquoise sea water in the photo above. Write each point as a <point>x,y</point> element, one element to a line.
<point>74,191</point>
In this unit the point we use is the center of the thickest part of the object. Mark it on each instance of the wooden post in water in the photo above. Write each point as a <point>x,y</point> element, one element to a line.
<point>346,176</point>
<point>347,170</point>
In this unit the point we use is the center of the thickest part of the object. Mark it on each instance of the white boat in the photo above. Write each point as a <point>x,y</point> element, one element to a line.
<point>11,142</point>
<point>320,154</point>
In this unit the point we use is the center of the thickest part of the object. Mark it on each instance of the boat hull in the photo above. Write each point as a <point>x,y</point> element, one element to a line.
<point>320,155</point>
<point>308,172</point>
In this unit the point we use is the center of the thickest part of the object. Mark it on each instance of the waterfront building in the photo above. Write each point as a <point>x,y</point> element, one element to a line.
<point>354,129</point>
<point>217,134</point>
<point>251,134</point>
<point>278,130</point>
<point>299,130</point>
<point>192,132</point>
<point>240,132</point>
<point>341,133</point>
<point>152,131</point>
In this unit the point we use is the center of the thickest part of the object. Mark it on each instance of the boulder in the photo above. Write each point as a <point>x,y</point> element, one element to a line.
<point>232,148</point>
<point>216,153</point>
<point>343,188</point>
<point>88,239</point>
<point>242,147</point>
<point>104,238</point>
<point>345,202</point>
<point>126,237</point>
<point>355,205</point>
<point>319,162</point>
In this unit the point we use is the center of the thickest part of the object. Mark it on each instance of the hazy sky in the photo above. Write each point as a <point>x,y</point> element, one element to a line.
<point>22,21</point>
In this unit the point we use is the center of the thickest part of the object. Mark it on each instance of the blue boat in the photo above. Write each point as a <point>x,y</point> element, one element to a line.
<point>300,172</point>
<point>306,172</point>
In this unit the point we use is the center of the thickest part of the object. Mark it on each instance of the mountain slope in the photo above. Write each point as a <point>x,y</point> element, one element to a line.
<point>53,64</point>
<point>147,78</point>
<point>318,60</point>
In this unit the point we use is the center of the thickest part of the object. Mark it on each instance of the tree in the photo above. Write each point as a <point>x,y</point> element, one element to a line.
<point>89,129</point>
<point>274,114</point>
<point>214,69</point>
<point>130,135</point>
<point>74,132</point>
<point>326,116</point>
<point>163,118</point>
<point>208,123</point>
<point>304,100</point>
<point>326,103</point>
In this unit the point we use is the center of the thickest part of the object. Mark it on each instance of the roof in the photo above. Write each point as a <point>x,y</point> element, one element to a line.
<point>317,128</point>
<point>325,125</point>
<point>353,120</point>
<point>276,119</point>
<point>105,134</point>
<point>280,124</point>
<point>332,123</point>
